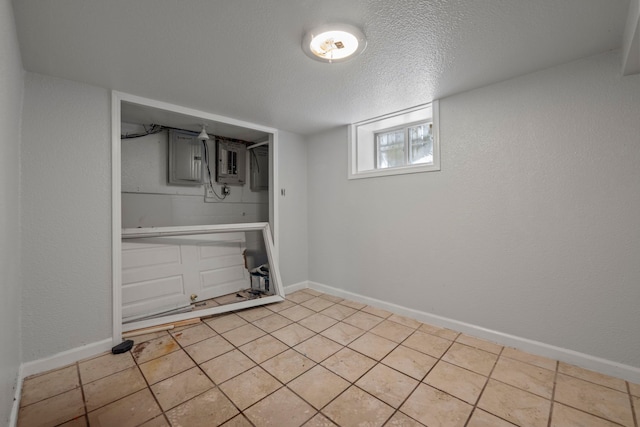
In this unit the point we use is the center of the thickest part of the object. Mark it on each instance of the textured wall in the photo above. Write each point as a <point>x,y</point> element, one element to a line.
<point>11,90</point>
<point>531,228</point>
<point>66,216</point>
<point>293,240</point>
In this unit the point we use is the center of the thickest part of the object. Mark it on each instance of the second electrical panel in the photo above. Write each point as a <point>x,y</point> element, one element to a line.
<point>231,157</point>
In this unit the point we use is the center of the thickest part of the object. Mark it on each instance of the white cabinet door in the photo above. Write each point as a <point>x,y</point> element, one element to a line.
<point>161,273</point>
<point>215,264</point>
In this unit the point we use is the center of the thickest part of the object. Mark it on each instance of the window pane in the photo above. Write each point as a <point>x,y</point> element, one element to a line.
<point>421,144</point>
<point>391,149</point>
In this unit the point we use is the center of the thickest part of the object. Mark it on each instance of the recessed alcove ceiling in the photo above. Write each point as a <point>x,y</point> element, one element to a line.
<point>243,59</point>
<point>145,115</point>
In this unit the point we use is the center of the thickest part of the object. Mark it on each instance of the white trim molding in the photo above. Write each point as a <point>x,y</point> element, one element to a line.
<point>296,287</point>
<point>55,361</point>
<point>116,216</point>
<point>607,367</point>
<point>65,358</point>
<point>17,395</point>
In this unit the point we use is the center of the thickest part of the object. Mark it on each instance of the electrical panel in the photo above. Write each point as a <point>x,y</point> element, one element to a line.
<point>186,166</point>
<point>259,168</point>
<point>231,158</point>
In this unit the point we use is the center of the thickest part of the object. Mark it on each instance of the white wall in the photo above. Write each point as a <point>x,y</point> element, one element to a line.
<point>11,93</point>
<point>531,228</point>
<point>66,219</point>
<point>293,234</point>
<point>148,201</point>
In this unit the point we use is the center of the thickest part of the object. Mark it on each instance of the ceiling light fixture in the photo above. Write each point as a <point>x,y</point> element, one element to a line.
<point>334,43</point>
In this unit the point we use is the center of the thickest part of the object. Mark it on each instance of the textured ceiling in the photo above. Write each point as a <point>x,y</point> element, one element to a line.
<point>242,58</point>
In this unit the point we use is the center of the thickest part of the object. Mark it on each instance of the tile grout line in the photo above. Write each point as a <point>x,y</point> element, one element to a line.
<point>600,417</point>
<point>589,381</point>
<point>475,405</point>
<point>283,385</point>
<point>438,359</point>
<point>182,348</point>
<point>397,345</point>
<point>553,394</point>
<point>84,402</point>
<point>164,415</point>
<point>259,364</point>
<point>241,411</point>
<point>119,398</point>
<point>46,373</point>
<point>633,409</point>
<point>556,371</point>
<point>103,378</point>
<point>421,381</point>
<point>215,385</point>
<point>351,383</point>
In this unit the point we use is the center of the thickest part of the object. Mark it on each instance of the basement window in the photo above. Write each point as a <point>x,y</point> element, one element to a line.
<point>399,143</point>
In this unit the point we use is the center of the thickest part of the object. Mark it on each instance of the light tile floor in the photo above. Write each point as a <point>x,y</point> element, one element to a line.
<point>317,360</point>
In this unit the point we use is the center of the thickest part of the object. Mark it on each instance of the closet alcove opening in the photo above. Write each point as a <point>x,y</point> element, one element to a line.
<point>176,248</point>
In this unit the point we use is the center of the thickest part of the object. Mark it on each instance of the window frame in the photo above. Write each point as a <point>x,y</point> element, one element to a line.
<point>363,141</point>
<point>406,142</point>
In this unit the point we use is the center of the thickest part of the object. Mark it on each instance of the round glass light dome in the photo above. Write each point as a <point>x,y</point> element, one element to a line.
<point>334,43</point>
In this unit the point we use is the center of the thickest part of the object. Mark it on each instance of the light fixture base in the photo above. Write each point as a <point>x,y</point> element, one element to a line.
<point>334,43</point>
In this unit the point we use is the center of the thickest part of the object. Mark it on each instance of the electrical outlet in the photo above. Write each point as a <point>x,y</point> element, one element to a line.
<point>208,192</point>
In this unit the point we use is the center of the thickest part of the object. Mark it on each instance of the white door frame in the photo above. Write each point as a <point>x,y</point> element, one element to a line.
<point>116,187</point>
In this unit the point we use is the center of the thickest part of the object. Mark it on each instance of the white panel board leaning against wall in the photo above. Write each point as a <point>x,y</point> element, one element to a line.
<point>189,263</point>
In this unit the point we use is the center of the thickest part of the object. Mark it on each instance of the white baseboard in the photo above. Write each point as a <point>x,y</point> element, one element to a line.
<point>71,356</point>
<point>296,287</point>
<point>608,367</point>
<point>65,358</point>
<point>13,417</point>
<point>53,362</point>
